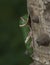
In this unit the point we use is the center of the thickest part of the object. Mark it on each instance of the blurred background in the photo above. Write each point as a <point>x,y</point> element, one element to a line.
<point>12,46</point>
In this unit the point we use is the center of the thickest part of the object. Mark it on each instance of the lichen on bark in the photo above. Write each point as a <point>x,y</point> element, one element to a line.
<point>40,9</point>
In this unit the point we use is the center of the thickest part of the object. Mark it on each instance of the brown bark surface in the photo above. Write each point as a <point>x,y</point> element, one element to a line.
<point>39,11</point>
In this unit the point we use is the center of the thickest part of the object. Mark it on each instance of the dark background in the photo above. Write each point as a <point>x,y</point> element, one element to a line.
<point>12,45</point>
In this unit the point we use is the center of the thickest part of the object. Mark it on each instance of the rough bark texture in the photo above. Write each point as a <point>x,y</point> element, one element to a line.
<point>39,11</point>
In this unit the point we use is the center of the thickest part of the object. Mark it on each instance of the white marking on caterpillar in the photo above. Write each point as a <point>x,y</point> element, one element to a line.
<point>23,21</point>
<point>28,37</point>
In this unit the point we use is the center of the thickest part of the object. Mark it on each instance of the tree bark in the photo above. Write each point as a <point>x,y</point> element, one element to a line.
<point>39,11</point>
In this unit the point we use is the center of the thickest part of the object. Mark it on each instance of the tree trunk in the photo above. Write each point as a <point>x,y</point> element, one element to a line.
<point>39,11</point>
